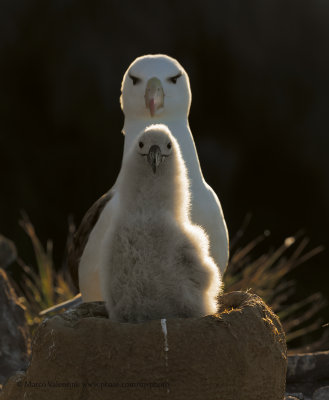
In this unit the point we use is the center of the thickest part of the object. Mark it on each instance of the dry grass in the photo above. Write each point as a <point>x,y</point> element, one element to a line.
<point>267,275</point>
<point>46,286</point>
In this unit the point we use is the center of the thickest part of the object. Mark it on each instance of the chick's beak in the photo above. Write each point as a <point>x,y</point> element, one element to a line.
<point>154,95</point>
<point>154,157</point>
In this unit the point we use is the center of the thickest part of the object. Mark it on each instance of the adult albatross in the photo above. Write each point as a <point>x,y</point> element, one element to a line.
<point>155,89</point>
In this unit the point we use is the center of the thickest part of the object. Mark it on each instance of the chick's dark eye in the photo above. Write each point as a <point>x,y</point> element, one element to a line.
<point>134,79</point>
<point>141,145</point>
<point>169,145</point>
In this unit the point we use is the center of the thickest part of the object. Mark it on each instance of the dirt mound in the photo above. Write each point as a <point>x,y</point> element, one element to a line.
<point>239,353</point>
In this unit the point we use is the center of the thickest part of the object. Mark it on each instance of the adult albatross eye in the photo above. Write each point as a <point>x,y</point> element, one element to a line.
<point>134,79</point>
<point>173,79</point>
<point>141,145</point>
<point>169,145</point>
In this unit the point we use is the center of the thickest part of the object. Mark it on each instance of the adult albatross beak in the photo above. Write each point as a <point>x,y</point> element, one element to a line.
<point>154,157</point>
<point>154,96</point>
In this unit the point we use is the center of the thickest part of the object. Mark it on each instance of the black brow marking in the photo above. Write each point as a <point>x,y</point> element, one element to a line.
<point>174,78</point>
<point>135,79</point>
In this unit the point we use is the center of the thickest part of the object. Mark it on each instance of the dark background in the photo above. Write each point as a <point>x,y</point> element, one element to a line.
<point>259,78</point>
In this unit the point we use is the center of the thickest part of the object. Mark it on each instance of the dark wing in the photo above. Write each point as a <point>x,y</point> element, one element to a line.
<point>81,236</point>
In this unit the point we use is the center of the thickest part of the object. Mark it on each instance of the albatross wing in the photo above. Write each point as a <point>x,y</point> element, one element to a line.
<point>81,236</point>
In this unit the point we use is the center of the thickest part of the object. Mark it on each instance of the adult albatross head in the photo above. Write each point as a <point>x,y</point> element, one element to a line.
<point>155,88</point>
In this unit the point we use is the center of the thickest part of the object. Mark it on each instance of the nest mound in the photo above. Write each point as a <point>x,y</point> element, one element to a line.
<point>239,353</point>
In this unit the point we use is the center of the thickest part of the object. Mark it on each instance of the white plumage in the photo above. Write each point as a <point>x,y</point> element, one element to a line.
<point>155,89</point>
<point>155,263</point>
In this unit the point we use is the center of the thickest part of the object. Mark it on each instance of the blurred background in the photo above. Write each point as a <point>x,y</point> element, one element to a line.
<point>259,116</point>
